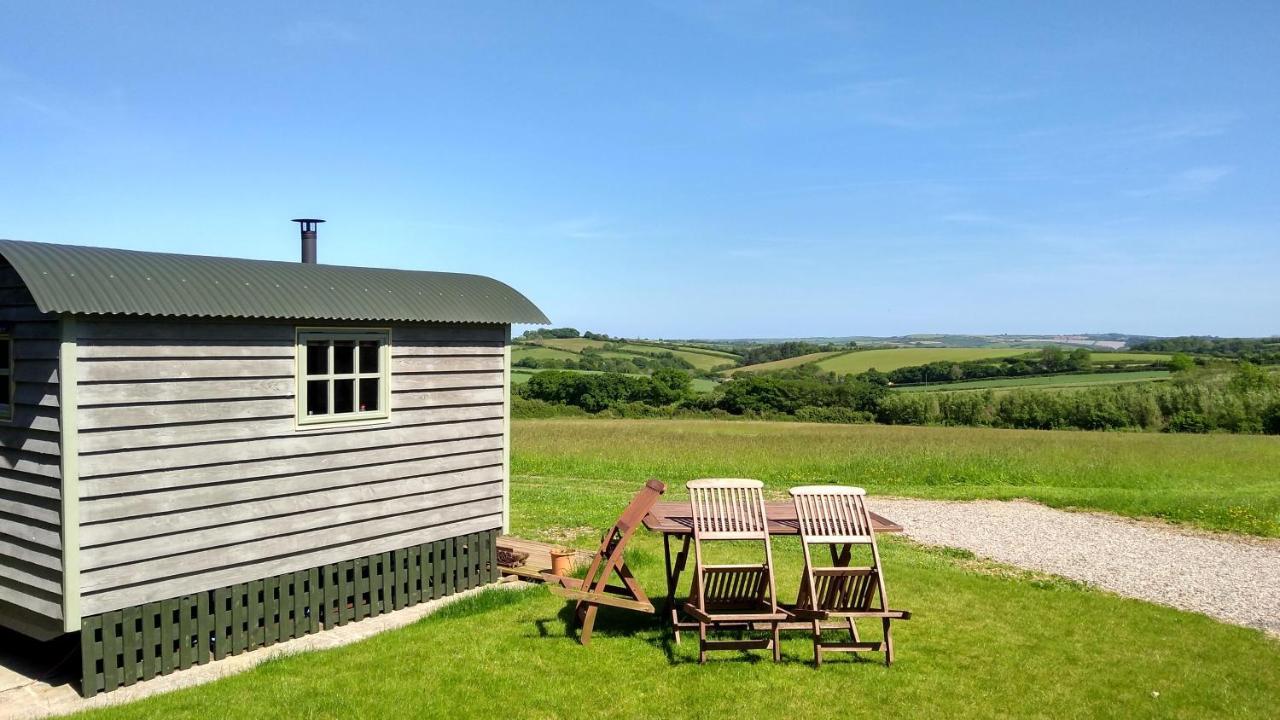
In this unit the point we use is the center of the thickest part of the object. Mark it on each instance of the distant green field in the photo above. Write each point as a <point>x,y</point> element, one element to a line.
<point>1045,381</point>
<point>1103,357</point>
<point>894,358</point>
<point>784,364</point>
<point>520,376</point>
<point>699,358</point>
<point>573,345</point>
<point>540,353</point>
<point>727,356</point>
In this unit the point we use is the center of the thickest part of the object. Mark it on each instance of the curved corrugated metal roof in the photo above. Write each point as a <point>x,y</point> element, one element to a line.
<point>90,280</point>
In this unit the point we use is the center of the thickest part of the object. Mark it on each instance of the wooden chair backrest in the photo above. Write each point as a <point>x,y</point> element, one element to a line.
<point>832,514</point>
<point>728,509</point>
<point>836,516</point>
<point>614,541</point>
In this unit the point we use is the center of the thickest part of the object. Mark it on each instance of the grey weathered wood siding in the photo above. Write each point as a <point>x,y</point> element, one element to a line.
<point>193,474</point>
<point>30,474</point>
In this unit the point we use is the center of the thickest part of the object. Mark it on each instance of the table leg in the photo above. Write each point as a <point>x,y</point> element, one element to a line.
<point>673,579</point>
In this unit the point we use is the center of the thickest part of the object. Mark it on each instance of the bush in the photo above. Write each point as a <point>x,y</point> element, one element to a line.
<point>834,415</point>
<point>527,408</point>
<point>1186,421</point>
<point>1271,420</point>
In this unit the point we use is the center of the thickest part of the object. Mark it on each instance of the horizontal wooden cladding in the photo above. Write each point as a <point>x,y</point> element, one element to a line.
<point>445,381</point>
<point>19,461</point>
<point>36,394</point>
<point>24,314</point>
<point>446,363</point>
<point>31,507</point>
<point>136,370</point>
<point>36,350</point>
<point>481,437</point>
<point>143,370</point>
<point>16,294</point>
<point>28,531</point>
<point>29,440</point>
<point>186,391</point>
<point>34,417</point>
<point>400,349</point>
<point>116,330</point>
<point>153,448</point>
<point>44,579</point>
<point>40,486</point>
<point>37,331</point>
<point>118,417</point>
<point>190,349</point>
<point>30,598</point>
<point>154,587</point>
<point>249,347</point>
<point>215,547</point>
<point>155,459</point>
<point>110,417</point>
<point>35,371</point>
<point>173,509</point>
<point>30,552</point>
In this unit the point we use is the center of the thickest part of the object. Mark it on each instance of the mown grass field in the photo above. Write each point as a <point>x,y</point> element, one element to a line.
<point>1221,482</point>
<point>519,352</point>
<point>894,358</point>
<point>1103,357</point>
<point>784,363</point>
<point>1045,382</point>
<point>985,641</point>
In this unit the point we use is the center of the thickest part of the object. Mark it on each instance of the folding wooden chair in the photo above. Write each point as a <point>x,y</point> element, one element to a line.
<point>836,516</point>
<point>594,589</point>
<point>732,595</point>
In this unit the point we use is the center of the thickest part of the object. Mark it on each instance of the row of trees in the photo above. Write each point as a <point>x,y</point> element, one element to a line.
<point>1260,351</point>
<point>596,392</point>
<point>1049,361</point>
<point>782,351</point>
<point>595,360</point>
<point>1246,400</point>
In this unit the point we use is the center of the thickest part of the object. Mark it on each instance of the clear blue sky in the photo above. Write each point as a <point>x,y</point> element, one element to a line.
<point>683,169</point>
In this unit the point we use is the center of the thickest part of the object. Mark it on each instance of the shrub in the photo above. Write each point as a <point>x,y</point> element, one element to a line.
<point>834,415</point>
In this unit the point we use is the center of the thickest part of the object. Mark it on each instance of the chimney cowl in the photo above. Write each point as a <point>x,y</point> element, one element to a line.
<point>307,228</point>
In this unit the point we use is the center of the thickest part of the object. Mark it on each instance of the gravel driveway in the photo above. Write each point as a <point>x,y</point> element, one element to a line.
<point>1235,579</point>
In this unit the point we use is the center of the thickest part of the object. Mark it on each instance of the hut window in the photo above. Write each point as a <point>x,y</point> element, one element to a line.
<point>6,377</point>
<point>343,375</point>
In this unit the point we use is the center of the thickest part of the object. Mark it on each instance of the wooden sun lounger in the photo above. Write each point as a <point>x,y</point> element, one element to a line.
<point>595,589</point>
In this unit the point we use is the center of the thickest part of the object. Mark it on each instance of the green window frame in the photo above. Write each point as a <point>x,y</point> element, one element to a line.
<point>6,377</point>
<point>344,376</point>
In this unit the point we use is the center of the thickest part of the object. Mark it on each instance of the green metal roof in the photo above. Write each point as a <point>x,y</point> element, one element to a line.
<point>90,280</point>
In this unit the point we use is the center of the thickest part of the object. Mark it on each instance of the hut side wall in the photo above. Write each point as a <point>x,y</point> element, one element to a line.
<point>30,473</point>
<point>193,475</point>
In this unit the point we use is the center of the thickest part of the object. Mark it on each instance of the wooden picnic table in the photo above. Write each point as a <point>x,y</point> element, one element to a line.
<point>675,519</point>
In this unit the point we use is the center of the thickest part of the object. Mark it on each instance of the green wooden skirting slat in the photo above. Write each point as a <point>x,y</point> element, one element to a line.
<point>138,643</point>
<point>315,600</point>
<point>270,611</point>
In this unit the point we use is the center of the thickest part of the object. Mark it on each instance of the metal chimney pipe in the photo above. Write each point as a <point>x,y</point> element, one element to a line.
<point>307,227</point>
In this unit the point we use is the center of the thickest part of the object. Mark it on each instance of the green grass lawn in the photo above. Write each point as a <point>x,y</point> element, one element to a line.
<point>1225,482</point>
<point>1045,381</point>
<point>985,642</point>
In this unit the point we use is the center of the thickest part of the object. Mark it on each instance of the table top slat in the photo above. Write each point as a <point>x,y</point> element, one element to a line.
<point>676,518</point>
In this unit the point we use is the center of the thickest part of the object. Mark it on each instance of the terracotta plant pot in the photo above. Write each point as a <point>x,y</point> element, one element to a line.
<point>561,561</point>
